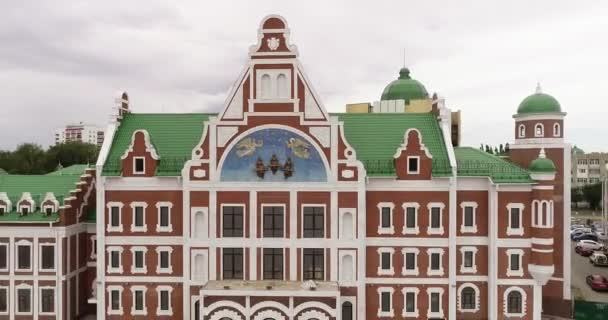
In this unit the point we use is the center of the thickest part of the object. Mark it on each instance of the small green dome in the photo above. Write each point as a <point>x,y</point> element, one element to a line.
<point>542,164</point>
<point>404,88</point>
<point>539,103</point>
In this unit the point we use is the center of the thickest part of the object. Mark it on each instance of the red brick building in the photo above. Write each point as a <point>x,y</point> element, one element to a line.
<point>275,209</point>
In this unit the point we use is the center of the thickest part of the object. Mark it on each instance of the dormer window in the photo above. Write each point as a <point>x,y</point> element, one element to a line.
<point>2,210</point>
<point>522,131</point>
<point>557,130</point>
<point>24,210</point>
<point>139,165</point>
<point>413,165</point>
<point>539,130</point>
<point>48,209</point>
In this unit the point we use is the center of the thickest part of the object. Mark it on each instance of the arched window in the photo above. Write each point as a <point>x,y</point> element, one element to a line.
<point>200,268</point>
<point>200,227</point>
<point>514,302</point>
<point>265,87</point>
<point>522,131</point>
<point>347,268</point>
<point>282,90</point>
<point>539,130</point>
<point>556,130</point>
<point>467,299</point>
<point>347,226</point>
<point>347,311</point>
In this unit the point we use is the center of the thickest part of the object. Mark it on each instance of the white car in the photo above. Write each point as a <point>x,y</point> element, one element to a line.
<point>586,230</point>
<point>577,226</point>
<point>589,244</point>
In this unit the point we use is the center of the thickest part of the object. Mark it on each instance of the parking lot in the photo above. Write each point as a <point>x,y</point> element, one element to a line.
<point>581,268</point>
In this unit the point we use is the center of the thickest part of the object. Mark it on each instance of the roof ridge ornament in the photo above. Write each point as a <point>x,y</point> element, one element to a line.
<point>542,154</point>
<point>539,89</point>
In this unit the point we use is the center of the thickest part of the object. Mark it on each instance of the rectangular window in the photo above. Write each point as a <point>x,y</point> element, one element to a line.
<point>314,222</point>
<point>164,259</point>
<point>314,264</point>
<point>115,300</point>
<point>412,165</point>
<point>435,302</point>
<point>25,210</point>
<point>3,300</point>
<point>514,218</point>
<point>3,256</point>
<point>47,300</point>
<point>514,262</point>
<point>115,216</point>
<point>468,216</point>
<point>468,259</point>
<point>48,210</point>
<point>273,264</point>
<point>139,216</point>
<point>385,300</point>
<point>386,260</point>
<point>139,300</point>
<point>164,217</point>
<point>386,217</point>
<point>273,222</point>
<point>435,217</point>
<point>410,302</point>
<point>139,259</point>
<point>139,165</point>
<point>24,300</point>
<point>232,263</point>
<point>24,257</point>
<point>164,300</point>
<point>48,257</point>
<point>435,261</point>
<point>410,261</point>
<point>232,218</point>
<point>115,259</point>
<point>410,221</point>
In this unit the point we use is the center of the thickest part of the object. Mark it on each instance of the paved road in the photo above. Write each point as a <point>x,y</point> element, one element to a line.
<point>580,269</point>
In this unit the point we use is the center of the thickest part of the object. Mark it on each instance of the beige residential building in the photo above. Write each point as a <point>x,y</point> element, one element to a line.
<point>588,168</point>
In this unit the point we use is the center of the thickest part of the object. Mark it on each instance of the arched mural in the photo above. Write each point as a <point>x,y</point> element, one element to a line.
<point>273,155</point>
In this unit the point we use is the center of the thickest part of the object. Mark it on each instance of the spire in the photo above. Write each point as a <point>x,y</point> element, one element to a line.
<point>542,154</point>
<point>538,88</point>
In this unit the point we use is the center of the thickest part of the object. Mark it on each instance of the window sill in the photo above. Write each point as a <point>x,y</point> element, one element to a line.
<point>164,229</point>
<point>115,312</point>
<point>410,314</point>
<point>114,229</point>
<point>135,228</point>
<point>468,270</point>
<point>383,272</point>
<point>48,270</point>
<point>430,272</point>
<point>467,310</point>
<point>23,270</point>
<point>407,272</point>
<point>515,273</point>
<point>514,314</point>
<point>386,314</point>
<point>164,271</point>
<point>435,314</point>
<point>164,312</point>
<point>115,270</point>
<point>390,230</point>
<point>414,231</point>
<point>436,231</point>
<point>139,313</point>
<point>139,270</point>
<point>471,229</point>
<point>515,232</point>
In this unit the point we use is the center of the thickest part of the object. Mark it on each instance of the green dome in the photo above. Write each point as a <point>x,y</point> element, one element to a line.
<point>539,103</point>
<point>542,164</point>
<point>404,88</point>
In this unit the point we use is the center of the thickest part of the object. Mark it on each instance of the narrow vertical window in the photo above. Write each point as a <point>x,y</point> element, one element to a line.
<point>273,222</point>
<point>273,264</point>
<point>413,165</point>
<point>24,300</point>
<point>314,222</point>
<point>232,220</point>
<point>314,264</point>
<point>232,262</point>
<point>139,165</point>
<point>3,300</point>
<point>47,300</point>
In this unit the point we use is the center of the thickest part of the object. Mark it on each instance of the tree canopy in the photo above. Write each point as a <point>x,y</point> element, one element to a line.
<point>30,158</point>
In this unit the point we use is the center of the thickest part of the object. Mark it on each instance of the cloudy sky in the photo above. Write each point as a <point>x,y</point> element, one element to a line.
<point>62,61</point>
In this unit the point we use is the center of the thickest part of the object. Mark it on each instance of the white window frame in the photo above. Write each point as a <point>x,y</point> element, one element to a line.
<point>241,205</point>
<point>134,268</point>
<point>109,250</point>
<point>538,220</point>
<point>27,206</point>
<point>416,229</point>
<point>406,290</point>
<point>93,239</point>
<point>463,268</point>
<point>441,207</point>
<point>521,131</point>
<point>160,270</point>
<point>408,165</point>
<point>506,301</point>
<point>405,271</point>
<point>391,270</point>
<point>134,311</point>
<point>386,230</point>
<point>40,300</point>
<point>52,206</point>
<point>47,244</point>
<point>463,227</point>
<point>8,300</point>
<point>439,314</point>
<point>16,299</point>
<point>109,226</point>
<point>538,134</point>
<point>515,231</point>
<point>281,205</point>
<point>557,130</point>
<point>120,310</point>
<point>7,257</point>
<point>520,271</point>
<point>429,271</point>
<point>135,172</point>
<point>144,227</point>
<point>169,205</point>
<point>25,243</point>
<point>459,297</point>
<point>160,312</point>
<point>381,313</point>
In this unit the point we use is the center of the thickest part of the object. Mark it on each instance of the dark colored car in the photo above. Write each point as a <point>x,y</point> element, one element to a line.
<point>585,252</point>
<point>597,282</point>
<point>585,236</point>
<point>577,234</point>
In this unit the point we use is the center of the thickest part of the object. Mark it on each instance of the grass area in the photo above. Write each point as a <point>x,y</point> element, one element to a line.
<point>577,294</point>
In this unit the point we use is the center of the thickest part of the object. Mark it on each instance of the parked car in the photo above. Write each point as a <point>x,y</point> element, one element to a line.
<point>583,229</point>
<point>577,226</point>
<point>576,234</point>
<point>585,252</point>
<point>590,244</point>
<point>585,236</point>
<point>598,259</point>
<point>597,282</point>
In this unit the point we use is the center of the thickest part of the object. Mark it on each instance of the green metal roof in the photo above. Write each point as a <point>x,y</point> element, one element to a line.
<point>473,162</point>
<point>173,136</point>
<point>77,169</point>
<point>376,136</point>
<point>404,88</point>
<point>542,165</point>
<point>539,103</point>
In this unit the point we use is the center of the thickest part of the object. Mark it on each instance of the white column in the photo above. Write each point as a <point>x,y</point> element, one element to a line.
<point>492,253</point>
<point>186,252</point>
<point>538,302</point>
<point>361,252</point>
<point>253,221</point>
<point>333,257</point>
<point>293,232</point>
<point>212,235</point>
<point>101,251</point>
<point>452,246</point>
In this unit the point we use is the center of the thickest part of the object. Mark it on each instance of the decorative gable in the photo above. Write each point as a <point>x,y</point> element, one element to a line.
<point>413,161</point>
<point>141,158</point>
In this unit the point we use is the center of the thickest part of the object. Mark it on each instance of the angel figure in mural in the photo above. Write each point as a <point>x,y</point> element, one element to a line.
<point>247,147</point>
<point>299,147</point>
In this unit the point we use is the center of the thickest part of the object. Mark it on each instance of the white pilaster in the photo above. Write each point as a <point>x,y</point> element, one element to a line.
<point>538,302</point>
<point>452,246</point>
<point>333,257</point>
<point>492,253</point>
<point>212,235</point>
<point>293,232</point>
<point>253,210</point>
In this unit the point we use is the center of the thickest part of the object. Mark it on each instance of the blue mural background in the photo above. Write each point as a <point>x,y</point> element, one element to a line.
<point>240,162</point>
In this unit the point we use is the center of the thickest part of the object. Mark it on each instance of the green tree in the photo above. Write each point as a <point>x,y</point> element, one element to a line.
<point>592,193</point>
<point>67,154</point>
<point>576,196</point>
<point>28,159</point>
